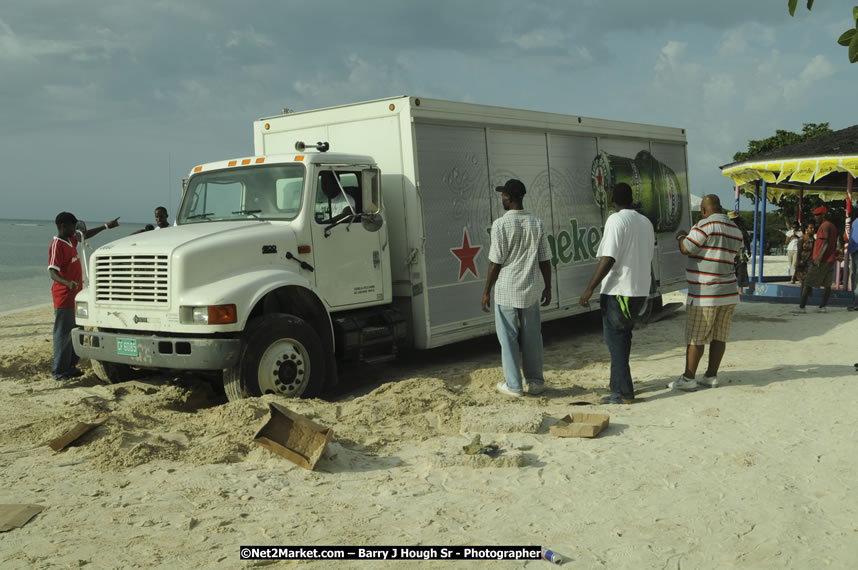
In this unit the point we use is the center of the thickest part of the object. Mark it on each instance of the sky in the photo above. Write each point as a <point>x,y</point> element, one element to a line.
<point>105,105</point>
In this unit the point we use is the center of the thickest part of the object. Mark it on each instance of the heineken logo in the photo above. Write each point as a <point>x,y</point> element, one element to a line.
<point>576,244</point>
<point>600,173</point>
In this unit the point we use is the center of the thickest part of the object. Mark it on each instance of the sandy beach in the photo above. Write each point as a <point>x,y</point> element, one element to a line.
<point>753,474</point>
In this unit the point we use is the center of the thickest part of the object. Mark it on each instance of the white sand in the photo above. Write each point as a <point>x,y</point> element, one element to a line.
<point>757,473</point>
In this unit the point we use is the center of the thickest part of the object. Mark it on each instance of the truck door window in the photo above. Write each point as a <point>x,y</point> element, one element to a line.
<point>327,208</point>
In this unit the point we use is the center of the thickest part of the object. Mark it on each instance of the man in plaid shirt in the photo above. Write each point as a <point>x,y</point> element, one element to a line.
<point>519,254</point>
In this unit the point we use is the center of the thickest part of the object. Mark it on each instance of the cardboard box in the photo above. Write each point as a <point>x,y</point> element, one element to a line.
<point>580,425</point>
<point>16,516</point>
<point>293,436</point>
<point>71,435</point>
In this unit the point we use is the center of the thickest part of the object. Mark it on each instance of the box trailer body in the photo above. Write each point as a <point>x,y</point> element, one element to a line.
<point>284,265</point>
<point>440,162</point>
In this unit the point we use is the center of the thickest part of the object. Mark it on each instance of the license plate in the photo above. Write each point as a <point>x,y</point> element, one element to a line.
<point>126,346</point>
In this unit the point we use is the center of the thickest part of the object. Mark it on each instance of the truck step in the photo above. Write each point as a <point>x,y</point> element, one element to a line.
<point>378,359</point>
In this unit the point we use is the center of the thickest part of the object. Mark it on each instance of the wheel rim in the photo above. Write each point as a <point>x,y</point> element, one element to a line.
<point>284,368</point>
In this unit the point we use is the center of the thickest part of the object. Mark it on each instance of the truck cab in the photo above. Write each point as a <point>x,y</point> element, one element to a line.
<point>273,265</point>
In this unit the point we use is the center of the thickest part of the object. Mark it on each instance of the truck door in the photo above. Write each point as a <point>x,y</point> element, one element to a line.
<point>350,260</point>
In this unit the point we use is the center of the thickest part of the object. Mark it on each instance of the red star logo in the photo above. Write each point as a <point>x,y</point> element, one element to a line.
<point>466,255</point>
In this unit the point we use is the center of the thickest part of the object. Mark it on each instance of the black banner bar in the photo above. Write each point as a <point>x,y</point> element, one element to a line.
<point>390,552</point>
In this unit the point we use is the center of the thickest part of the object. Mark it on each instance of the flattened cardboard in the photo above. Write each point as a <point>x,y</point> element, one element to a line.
<point>16,516</point>
<point>293,436</point>
<point>580,425</point>
<point>81,428</point>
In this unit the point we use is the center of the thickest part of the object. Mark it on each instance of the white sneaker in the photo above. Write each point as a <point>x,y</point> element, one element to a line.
<point>504,389</point>
<point>822,309</point>
<point>799,311</point>
<point>707,381</point>
<point>534,389</point>
<point>684,384</point>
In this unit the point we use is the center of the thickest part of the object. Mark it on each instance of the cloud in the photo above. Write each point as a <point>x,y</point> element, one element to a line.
<point>815,70</point>
<point>540,39</point>
<point>668,58</point>
<point>747,36</point>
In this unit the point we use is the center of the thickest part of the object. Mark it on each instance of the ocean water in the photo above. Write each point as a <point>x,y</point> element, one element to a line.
<point>24,279</point>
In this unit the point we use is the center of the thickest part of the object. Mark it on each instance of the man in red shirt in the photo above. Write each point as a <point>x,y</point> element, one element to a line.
<point>65,270</point>
<point>820,272</point>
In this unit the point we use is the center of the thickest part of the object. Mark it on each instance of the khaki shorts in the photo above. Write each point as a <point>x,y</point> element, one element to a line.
<point>819,275</point>
<point>705,324</point>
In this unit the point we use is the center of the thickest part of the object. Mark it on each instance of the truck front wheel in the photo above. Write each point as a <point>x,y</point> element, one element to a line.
<point>111,373</point>
<point>280,354</point>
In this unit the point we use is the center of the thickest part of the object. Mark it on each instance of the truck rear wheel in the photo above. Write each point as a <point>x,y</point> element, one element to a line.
<point>111,373</point>
<point>280,354</point>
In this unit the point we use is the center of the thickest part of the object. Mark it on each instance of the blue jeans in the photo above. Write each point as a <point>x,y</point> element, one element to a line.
<point>520,330</point>
<point>617,323</point>
<point>65,358</point>
<point>853,270</point>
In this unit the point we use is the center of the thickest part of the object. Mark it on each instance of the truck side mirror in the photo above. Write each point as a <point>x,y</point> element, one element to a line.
<point>372,221</point>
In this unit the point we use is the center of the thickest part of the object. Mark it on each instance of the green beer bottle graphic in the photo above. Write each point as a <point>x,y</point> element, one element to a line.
<point>654,185</point>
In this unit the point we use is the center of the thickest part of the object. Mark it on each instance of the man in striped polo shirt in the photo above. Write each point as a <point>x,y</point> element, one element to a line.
<point>711,247</point>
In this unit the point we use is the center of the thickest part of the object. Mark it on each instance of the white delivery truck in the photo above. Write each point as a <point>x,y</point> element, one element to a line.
<point>356,231</point>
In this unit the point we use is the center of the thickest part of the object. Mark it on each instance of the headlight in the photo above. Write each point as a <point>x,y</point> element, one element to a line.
<point>208,315</point>
<point>81,309</point>
<point>200,315</point>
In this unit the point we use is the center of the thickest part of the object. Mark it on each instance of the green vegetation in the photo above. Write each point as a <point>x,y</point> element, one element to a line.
<point>849,38</point>
<point>788,205</point>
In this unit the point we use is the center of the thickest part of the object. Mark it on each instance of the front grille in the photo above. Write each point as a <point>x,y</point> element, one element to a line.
<point>132,278</point>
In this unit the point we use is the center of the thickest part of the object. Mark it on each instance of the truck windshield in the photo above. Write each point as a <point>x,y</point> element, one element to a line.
<point>255,192</point>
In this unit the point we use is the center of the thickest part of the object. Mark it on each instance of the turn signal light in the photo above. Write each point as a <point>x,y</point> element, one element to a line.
<point>222,314</point>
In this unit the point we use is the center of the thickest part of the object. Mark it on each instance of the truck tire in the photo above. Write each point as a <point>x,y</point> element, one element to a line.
<point>111,373</point>
<point>280,354</point>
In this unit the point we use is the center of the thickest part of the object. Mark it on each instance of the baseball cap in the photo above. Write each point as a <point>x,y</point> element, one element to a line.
<point>822,210</point>
<point>65,218</point>
<point>515,188</point>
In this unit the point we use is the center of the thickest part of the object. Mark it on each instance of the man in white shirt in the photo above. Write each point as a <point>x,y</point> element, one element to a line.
<point>518,255</point>
<point>624,271</point>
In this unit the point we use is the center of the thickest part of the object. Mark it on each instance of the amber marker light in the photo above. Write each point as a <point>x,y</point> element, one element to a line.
<point>232,163</point>
<point>392,107</point>
<point>198,168</point>
<point>299,157</point>
<point>267,126</point>
<point>245,161</point>
<point>222,314</point>
<point>260,160</point>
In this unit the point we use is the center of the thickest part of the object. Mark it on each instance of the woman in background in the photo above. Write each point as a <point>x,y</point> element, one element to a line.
<point>805,251</point>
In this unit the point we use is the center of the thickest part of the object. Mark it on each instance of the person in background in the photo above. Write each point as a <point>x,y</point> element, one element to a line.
<point>711,247</point>
<point>161,221</point>
<point>625,273</point>
<point>519,253</point>
<point>852,252</point>
<point>743,255</point>
<point>821,268</point>
<point>793,236</point>
<point>805,251</point>
<point>65,270</point>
